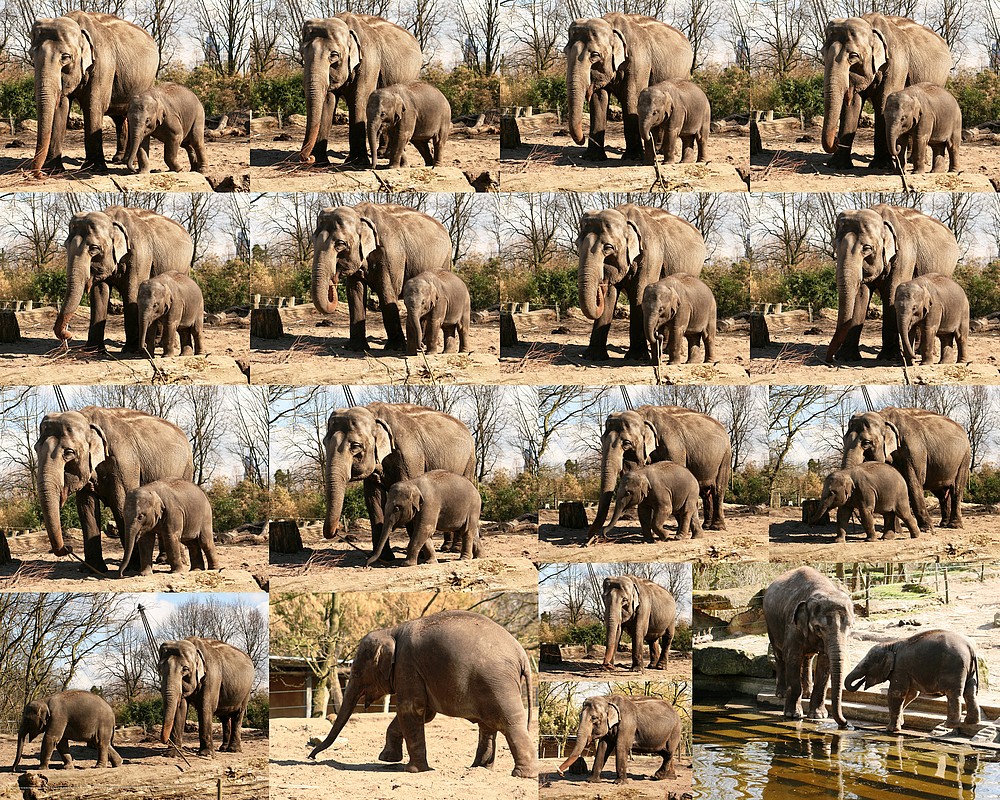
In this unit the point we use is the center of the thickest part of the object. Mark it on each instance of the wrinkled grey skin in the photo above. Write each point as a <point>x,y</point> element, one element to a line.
<point>931,663</point>
<point>620,55</point>
<point>808,615</point>
<point>98,60</point>
<point>868,489</point>
<point>646,612</point>
<point>73,716</point>
<point>348,56</point>
<point>624,249</point>
<point>625,724</point>
<point>870,57</point>
<point>455,663</point>
<point>437,301</point>
<point>174,115</point>
<point>877,249</point>
<point>929,308</point>
<point>171,304</point>
<point>101,454</point>
<point>379,247</point>
<point>214,677</point>
<point>650,434</point>
<point>927,116</point>
<point>435,501</point>
<point>118,248</point>
<point>382,444</point>
<point>930,451</point>
<point>176,511</point>
<point>661,490</point>
<point>670,111</point>
<point>409,112</point>
<point>679,309</point>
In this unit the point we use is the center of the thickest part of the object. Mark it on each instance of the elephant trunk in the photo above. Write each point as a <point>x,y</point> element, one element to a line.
<point>132,147</point>
<point>834,100</point>
<point>337,478</point>
<point>591,286</point>
<point>351,696</point>
<point>22,734</point>
<point>51,485</point>
<point>823,508</point>
<point>77,278</point>
<point>374,133</point>
<point>611,467</point>
<point>388,526</point>
<point>577,85</point>
<point>324,274</point>
<point>414,330</point>
<point>905,322</point>
<point>622,505</point>
<point>652,321</point>
<point>130,537</point>
<point>855,679</point>
<point>582,740</point>
<point>48,99</point>
<point>852,304</point>
<point>316,81</point>
<point>171,700</point>
<point>614,626</point>
<point>835,654</point>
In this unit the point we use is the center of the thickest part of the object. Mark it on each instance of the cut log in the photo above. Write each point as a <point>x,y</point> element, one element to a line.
<point>508,331</point>
<point>572,514</point>
<point>4,549</point>
<point>284,536</point>
<point>10,331</point>
<point>265,323</point>
<point>759,336</point>
<point>510,134</point>
<point>578,767</point>
<point>809,509</point>
<point>756,144</point>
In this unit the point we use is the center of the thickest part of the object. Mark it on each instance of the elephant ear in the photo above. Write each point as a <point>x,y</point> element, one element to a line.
<point>385,442</point>
<point>199,666</point>
<point>880,51</point>
<point>635,601</point>
<point>119,242</point>
<point>648,443</point>
<point>86,52</point>
<point>838,228</point>
<point>384,664</point>
<point>800,616</point>
<point>98,448</point>
<point>353,52</point>
<point>368,240</point>
<point>619,51</point>
<point>889,245</point>
<point>880,668</point>
<point>614,715</point>
<point>633,243</point>
<point>890,441</point>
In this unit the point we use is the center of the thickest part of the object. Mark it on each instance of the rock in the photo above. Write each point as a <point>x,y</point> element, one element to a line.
<point>27,126</point>
<point>485,181</point>
<point>16,143</point>
<point>263,124</point>
<point>216,319</point>
<point>783,125</point>
<point>297,120</point>
<point>283,137</point>
<point>713,601</point>
<point>229,183</point>
<point>719,660</point>
<point>485,316</point>
<point>4,129</point>
<point>74,122</point>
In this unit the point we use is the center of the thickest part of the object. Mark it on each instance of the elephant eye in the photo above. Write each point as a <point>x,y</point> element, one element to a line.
<point>356,447</point>
<point>140,516</point>
<point>334,56</point>
<point>626,443</point>
<point>854,56</point>
<point>69,452</point>
<point>94,250</point>
<point>66,58</point>
<point>867,248</point>
<point>595,56</point>
<point>340,244</point>
<point>609,248</point>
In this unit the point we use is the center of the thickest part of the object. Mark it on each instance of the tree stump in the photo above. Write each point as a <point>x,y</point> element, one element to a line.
<point>10,331</point>
<point>508,331</point>
<point>265,323</point>
<point>573,515</point>
<point>284,536</point>
<point>578,767</point>
<point>510,134</point>
<point>756,145</point>
<point>4,549</point>
<point>809,509</point>
<point>759,336</point>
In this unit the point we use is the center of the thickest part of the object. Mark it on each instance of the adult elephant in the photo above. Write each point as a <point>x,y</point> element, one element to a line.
<point>646,612</point>
<point>879,248</point>
<point>868,58</point>
<point>213,676</point>
<point>98,60</point>
<point>455,663</point>
<point>101,454</point>
<point>620,55</point>
<point>382,444</point>
<point>349,56</point>
<point>667,433</point>
<point>931,451</point>
<point>118,248</point>
<point>377,246</point>
<point>624,249</point>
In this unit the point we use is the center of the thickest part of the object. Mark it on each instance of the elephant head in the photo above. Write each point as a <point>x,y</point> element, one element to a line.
<point>372,678</point>
<point>873,669</point>
<point>866,245</point>
<point>63,57</point>
<point>69,450</point>
<point>342,242</point>
<point>599,716</point>
<point>155,299</point>
<point>331,54</point>
<point>854,53</point>
<point>655,106</point>
<point>385,108</point>
<point>34,720</point>
<point>660,304</point>
<point>420,295</point>
<point>595,52</point>
<point>837,488</point>
<point>401,506</point>
<point>828,619</point>
<point>627,438</point>
<point>632,490</point>
<point>621,602</point>
<point>143,512</point>
<point>145,114</point>
<point>182,670</point>
<point>912,302</point>
<point>609,244</point>
<point>870,437</point>
<point>902,113</point>
<point>95,248</point>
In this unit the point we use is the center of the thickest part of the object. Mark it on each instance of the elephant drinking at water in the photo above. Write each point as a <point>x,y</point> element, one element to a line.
<point>646,612</point>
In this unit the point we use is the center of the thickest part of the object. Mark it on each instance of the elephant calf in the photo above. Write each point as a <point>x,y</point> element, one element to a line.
<point>932,663</point>
<point>935,307</point>
<point>925,114</point>
<point>178,512</point>
<point>73,716</point>
<point>437,300</point>
<point>661,490</point>
<point>672,110</point>
<point>435,501</point>
<point>409,112</point>
<point>869,488</point>
<point>171,304</point>
<point>676,308</point>
<point>173,114</point>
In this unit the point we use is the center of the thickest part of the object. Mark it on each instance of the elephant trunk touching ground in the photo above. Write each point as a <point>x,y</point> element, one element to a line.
<point>835,646</point>
<point>324,274</point>
<point>172,694</point>
<point>338,475</point>
<point>583,736</point>
<point>48,99</point>
<point>77,279</point>
<point>352,693</point>
<point>317,85</point>
<point>592,285</point>
<point>853,296</point>
<point>842,99</point>
<point>611,468</point>
<point>52,493</point>
<point>578,88</point>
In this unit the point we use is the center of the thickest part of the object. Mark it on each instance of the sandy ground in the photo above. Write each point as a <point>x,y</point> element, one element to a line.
<point>37,360</point>
<point>332,565</point>
<point>745,540</point>
<point>350,768</point>
<point>549,161</point>
<point>36,569</point>
<point>798,347</point>
<point>275,166</point>
<point>551,352</point>
<point>227,158</point>
<point>313,351</point>
<point>640,786</point>
<point>790,166</point>
<point>678,668</point>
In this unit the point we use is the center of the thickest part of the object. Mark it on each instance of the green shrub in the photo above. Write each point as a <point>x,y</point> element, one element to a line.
<point>984,485</point>
<point>555,286</point>
<point>593,633</point>
<point>468,92</point>
<point>279,94</point>
<point>507,496</point>
<point>548,92</point>
<point>17,98</point>
<point>982,287</point>
<point>796,95</point>
<point>220,94</point>
<point>354,503</point>
<point>728,90</point>
<point>146,711</point>
<point>730,285</point>
<point>978,96</point>
<point>815,285</point>
<point>481,276</point>
<point>257,712</point>
<point>683,638</point>
<point>49,286</point>
<point>749,486</point>
<point>223,284</point>
<point>235,504</point>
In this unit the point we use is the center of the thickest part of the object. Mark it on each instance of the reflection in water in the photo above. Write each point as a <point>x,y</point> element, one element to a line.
<point>741,754</point>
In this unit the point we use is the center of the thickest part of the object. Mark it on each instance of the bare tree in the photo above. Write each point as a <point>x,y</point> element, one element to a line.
<point>486,419</point>
<point>981,418</point>
<point>127,665</point>
<point>424,19</point>
<point>266,29</point>
<point>163,20</point>
<point>480,28</point>
<point>160,401</point>
<point>224,28</point>
<point>781,33</point>
<point>206,426</point>
<point>743,415</point>
<point>792,409</point>
<point>460,213</point>
<point>540,26</point>
<point>953,20</point>
<point>239,227</point>
<point>197,212</point>
<point>37,224</point>
<point>697,19</point>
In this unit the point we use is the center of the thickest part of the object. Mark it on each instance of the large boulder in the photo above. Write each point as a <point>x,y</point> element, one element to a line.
<point>720,660</point>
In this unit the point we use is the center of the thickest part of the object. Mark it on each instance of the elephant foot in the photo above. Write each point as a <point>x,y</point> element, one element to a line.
<point>839,161</point>
<point>953,723</point>
<point>847,355</point>
<point>596,354</point>
<point>621,781</point>
<point>595,154</point>
<point>99,566</point>
<point>162,559</point>
<point>205,752</point>
<point>793,715</point>
<point>609,667</point>
<point>642,356</point>
<point>118,158</point>
<point>882,163</point>
<point>819,713</point>
<point>357,345</point>
<point>633,155</point>
<point>357,160</point>
<point>717,526</point>
<point>411,767</point>
<point>973,718</point>
<point>524,772</point>
<point>397,346</point>
<point>895,730</point>
<point>889,355</point>
<point>95,167</point>
<point>391,755</point>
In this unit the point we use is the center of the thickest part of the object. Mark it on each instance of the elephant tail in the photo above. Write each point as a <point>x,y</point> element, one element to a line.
<point>526,675</point>
<point>972,679</point>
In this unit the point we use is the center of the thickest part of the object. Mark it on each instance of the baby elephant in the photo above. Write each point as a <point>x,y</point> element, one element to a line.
<point>73,716</point>
<point>177,511</point>
<point>673,110</point>
<point>869,488</point>
<point>409,112</point>
<point>436,301</point>
<point>435,501</point>
<point>172,304</point>
<point>935,307</point>
<point>661,490</point>
<point>677,308</point>
<point>932,663</point>
<point>927,115</point>
<point>173,114</point>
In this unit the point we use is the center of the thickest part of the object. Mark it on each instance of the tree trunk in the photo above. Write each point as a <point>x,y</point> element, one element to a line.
<point>809,508</point>
<point>756,145</point>
<point>510,134</point>
<point>572,515</point>
<point>508,332</point>
<point>10,332</point>
<point>759,336</point>
<point>265,323</point>
<point>284,536</point>
<point>4,549</point>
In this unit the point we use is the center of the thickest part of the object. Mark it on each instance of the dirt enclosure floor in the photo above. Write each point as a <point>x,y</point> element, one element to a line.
<point>552,786</point>
<point>37,359</point>
<point>350,768</point>
<point>548,160</point>
<point>678,668</point>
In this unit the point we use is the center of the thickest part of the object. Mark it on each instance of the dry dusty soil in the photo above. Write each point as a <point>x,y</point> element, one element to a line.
<point>350,768</point>
<point>37,359</point>
<point>333,565</point>
<point>549,161</point>
<point>795,357</point>
<point>639,787</point>
<point>36,569</point>
<point>791,166</point>
<point>551,352</point>
<point>678,668</point>
<point>793,540</point>
<point>745,540</point>
<point>314,350</point>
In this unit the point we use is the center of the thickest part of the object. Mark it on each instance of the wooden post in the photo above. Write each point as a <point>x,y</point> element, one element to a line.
<point>572,514</point>
<point>10,331</point>
<point>508,331</point>
<point>510,134</point>
<point>265,323</point>
<point>759,336</point>
<point>284,537</point>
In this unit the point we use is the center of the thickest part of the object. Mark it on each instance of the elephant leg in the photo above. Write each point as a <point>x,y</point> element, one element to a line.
<point>236,738</point>
<point>780,675</point>
<point>888,525</point>
<point>638,347</point>
<point>195,554</point>
<point>421,543</point>
<point>666,769</point>
<point>395,338</point>
<point>954,699</point>
<point>180,718</point>
<point>683,517</point>
<point>102,753</point>
<point>717,522</point>
<point>646,524</point>
<point>100,297</point>
<point>939,162</point>
<point>522,748</point>
<point>972,712</point>
<point>793,674</point>
<point>121,138</point>
<point>45,754</point>
<point>654,654</point>
<point>690,154</point>
<point>661,516</point>
<point>145,546</point>
<point>113,756</point>
<point>600,757</point>
<point>867,522</point>
<point>63,747</point>
<point>598,125</point>
<point>93,132</point>
<point>898,699</point>
<point>392,752</point>
<point>319,152</point>
<point>412,726</point>
<point>424,148</point>
<point>597,350</point>
<point>891,348</point>
<point>817,700</point>
<point>356,98</point>
<point>665,643</point>
<point>356,294</point>
<point>374,498</point>
<point>486,750</point>
<point>89,509</point>
<point>172,153</point>
<point>53,160</point>
<point>955,520</point>
<point>205,744</point>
